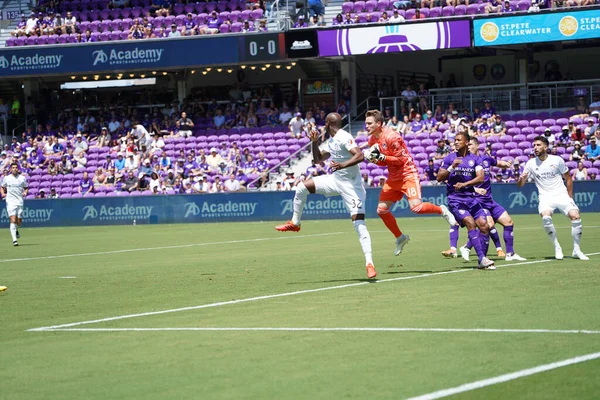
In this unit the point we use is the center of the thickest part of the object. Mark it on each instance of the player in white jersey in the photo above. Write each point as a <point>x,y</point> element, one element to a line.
<point>548,172</point>
<point>14,188</point>
<point>345,181</point>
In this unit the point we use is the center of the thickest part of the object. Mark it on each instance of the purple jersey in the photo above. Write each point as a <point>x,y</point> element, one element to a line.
<point>431,172</point>
<point>249,166</point>
<point>213,23</point>
<point>21,24</point>
<point>487,163</point>
<point>464,172</point>
<point>262,165</point>
<point>189,23</point>
<point>487,112</point>
<point>85,184</point>
<point>431,122</point>
<point>417,125</point>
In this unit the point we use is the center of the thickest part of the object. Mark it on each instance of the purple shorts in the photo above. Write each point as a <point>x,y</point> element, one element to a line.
<point>495,209</point>
<point>465,207</point>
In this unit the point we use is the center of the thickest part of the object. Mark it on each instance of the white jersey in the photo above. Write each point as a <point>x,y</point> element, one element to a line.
<point>14,187</point>
<point>339,147</point>
<point>547,175</point>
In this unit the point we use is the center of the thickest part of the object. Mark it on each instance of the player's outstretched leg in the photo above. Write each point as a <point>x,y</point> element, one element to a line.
<point>420,207</point>
<point>576,231</point>
<point>365,243</point>
<point>551,232</point>
<point>383,210</point>
<point>302,192</point>
<point>453,242</point>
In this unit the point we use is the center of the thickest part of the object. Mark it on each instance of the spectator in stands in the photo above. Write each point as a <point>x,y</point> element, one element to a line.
<point>418,15</point>
<point>80,145</point>
<point>247,27</point>
<point>285,116</point>
<point>348,20</point>
<point>396,17</point>
<point>595,104</point>
<point>300,23</point>
<point>394,123</point>
<point>488,111</point>
<point>384,19</point>
<point>315,7</point>
<point>550,137</point>
<point>184,125</point>
<point>232,184</point>
<point>214,159</point>
<point>581,173</point>
<point>423,95</point>
<point>189,28</point>
<point>431,171</point>
<point>431,122</point>
<point>20,30</point>
<point>41,194</point>
<point>104,139</point>
<point>450,134</point>
<point>409,96</point>
<point>578,135</point>
<point>65,166</point>
<point>212,25</point>
<point>442,150</point>
<point>47,26</point>
<point>262,167</point>
<point>262,25</point>
<point>174,32</point>
<point>578,153</point>
<point>148,32</point>
<point>70,23</point>
<point>493,6</point>
<point>53,194</point>
<point>52,168</point>
<point>86,185</point>
<point>590,128</point>
<point>507,7</point>
<point>592,151</point>
<point>131,163</point>
<point>314,22</point>
<point>31,25</point>
<point>219,119</point>
<point>296,126</point>
<point>418,125</point>
<point>498,127</point>
<point>339,20</point>
<point>130,183</point>
<point>217,186</point>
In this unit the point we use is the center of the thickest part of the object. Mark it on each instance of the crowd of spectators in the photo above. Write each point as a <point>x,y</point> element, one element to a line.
<point>78,23</point>
<point>133,142</point>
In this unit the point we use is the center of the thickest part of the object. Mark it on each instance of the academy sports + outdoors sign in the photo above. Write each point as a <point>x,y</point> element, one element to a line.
<point>537,27</point>
<point>259,206</point>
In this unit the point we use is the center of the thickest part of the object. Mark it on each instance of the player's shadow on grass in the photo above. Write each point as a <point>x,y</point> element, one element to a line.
<point>27,244</point>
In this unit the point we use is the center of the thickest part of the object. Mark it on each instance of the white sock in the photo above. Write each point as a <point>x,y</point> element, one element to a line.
<point>576,231</point>
<point>299,201</point>
<point>550,230</point>
<point>13,231</point>
<point>365,239</point>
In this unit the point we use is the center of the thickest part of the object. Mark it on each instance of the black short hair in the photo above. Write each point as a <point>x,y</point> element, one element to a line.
<point>475,140</point>
<point>17,164</point>
<point>543,139</point>
<point>465,134</point>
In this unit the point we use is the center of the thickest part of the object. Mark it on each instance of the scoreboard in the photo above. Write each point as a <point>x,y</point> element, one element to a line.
<point>262,47</point>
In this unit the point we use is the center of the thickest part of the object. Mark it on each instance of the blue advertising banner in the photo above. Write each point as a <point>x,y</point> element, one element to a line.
<point>264,206</point>
<point>118,56</point>
<point>532,28</point>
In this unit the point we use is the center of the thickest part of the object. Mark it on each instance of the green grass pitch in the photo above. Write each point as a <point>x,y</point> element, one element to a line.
<point>147,269</point>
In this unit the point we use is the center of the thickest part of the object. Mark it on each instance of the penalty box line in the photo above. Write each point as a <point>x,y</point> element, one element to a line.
<point>272,296</point>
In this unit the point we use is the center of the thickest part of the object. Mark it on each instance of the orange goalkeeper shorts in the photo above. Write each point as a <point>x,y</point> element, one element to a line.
<point>395,190</point>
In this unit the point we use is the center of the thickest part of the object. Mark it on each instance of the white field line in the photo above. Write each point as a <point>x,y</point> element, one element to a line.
<point>182,246</point>
<point>273,296</point>
<point>467,387</point>
<point>287,329</point>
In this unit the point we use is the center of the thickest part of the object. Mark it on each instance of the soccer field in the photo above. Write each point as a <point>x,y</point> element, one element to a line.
<point>238,310</point>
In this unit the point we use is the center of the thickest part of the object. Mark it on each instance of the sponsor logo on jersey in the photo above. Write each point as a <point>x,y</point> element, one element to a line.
<point>106,213</point>
<point>217,210</point>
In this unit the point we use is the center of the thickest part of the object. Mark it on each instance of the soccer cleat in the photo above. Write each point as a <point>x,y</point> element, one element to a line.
<point>288,227</point>
<point>450,253</point>
<point>558,254</point>
<point>371,273</point>
<point>577,253</point>
<point>514,257</point>
<point>3,288</point>
<point>501,253</point>
<point>18,235</point>
<point>448,216</point>
<point>15,243</point>
<point>486,263</point>
<point>465,253</point>
<point>401,241</point>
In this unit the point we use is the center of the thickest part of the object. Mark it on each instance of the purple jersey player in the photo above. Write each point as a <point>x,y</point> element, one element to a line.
<point>463,172</point>
<point>496,212</point>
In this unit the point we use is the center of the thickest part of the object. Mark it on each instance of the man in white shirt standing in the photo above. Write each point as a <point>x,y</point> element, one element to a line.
<point>345,181</point>
<point>14,189</point>
<point>296,125</point>
<point>548,172</point>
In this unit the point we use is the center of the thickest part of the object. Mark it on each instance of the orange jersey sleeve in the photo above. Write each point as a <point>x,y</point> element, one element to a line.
<point>397,158</point>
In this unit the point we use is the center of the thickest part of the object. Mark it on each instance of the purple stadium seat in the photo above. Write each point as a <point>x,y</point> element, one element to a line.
<point>473,9</point>
<point>523,5</point>
<point>222,5</point>
<point>410,13</point>
<point>370,5</point>
<point>359,6</point>
<point>224,28</point>
<point>460,10</point>
<point>435,12</point>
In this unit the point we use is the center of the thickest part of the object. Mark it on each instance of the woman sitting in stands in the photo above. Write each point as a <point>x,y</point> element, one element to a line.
<point>384,18</point>
<point>339,20</point>
<point>580,174</point>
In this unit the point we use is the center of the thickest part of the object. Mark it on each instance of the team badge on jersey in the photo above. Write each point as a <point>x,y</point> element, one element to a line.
<point>471,163</point>
<point>485,163</point>
<point>461,212</point>
<point>384,145</point>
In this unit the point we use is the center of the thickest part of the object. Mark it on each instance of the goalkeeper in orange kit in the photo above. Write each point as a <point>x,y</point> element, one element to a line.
<point>387,148</point>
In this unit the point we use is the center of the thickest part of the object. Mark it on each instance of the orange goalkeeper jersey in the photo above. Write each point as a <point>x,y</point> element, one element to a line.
<point>398,160</point>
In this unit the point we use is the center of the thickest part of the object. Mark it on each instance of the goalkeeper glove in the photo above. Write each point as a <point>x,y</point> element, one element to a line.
<point>376,154</point>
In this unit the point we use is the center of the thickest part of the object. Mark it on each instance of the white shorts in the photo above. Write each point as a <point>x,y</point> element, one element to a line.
<point>185,134</point>
<point>353,193</point>
<point>14,210</point>
<point>563,203</point>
